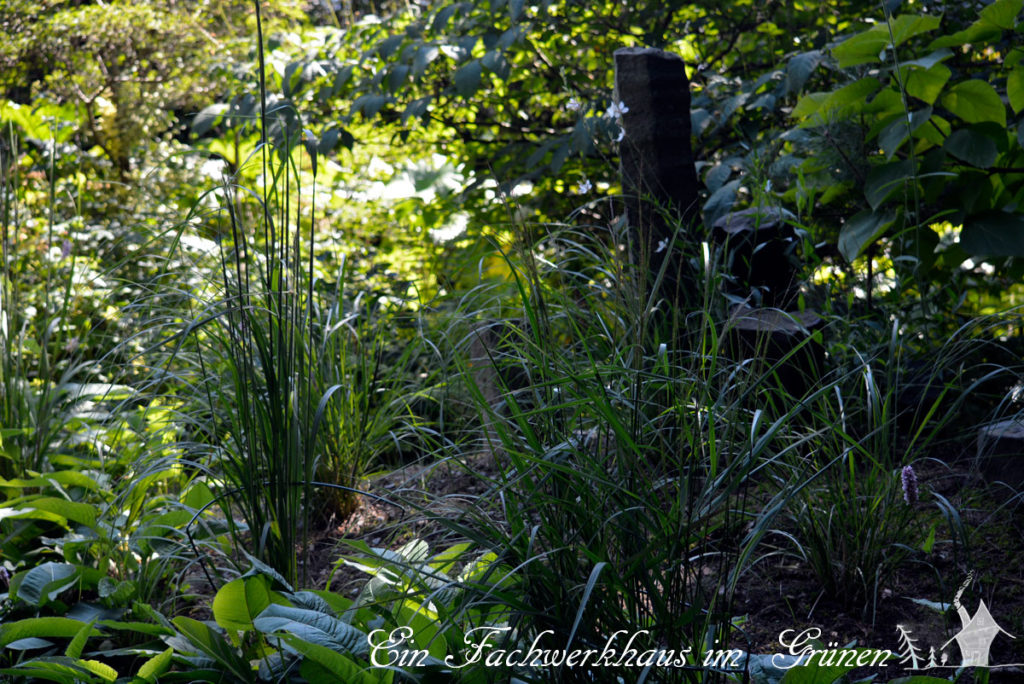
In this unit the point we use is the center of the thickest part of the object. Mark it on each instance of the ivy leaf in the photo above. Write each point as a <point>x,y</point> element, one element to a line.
<point>975,101</point>
<point>993,234</point>
<point>467,78</point>
<point>972,147</point>
<point>861,231</point>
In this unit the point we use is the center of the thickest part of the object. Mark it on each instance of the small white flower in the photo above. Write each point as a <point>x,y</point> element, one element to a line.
<point>574,105</point>
<point>584,187</point>
<point>662,244</point>
<point>616,109</point>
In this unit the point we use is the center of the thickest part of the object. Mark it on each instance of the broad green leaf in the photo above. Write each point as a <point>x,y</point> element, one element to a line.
<point>515,10</point>
<point>29,644</point>
<point>1002,13</point>
<point>60,669</point>
<point>156,666</point>
<point>74,649</point>
<point>867,46</point>
<point>467,78</point>
<point>981,31</point>
<point>930,60</point>
<point>336,663</point>
<point>972,147</point>
<point>239,601</point>
<point>799,69</point>
<point>81,513</point>
<point>993,234</point>
<point>424,56</point>
<point>893,135</point>
<point>314,627</point>
<point>261,568</point>
<point>44,582</point>
<point>861,231</point>
<point>720,203</point>
<point>935,131</point>
<point>370,104</point>
<point>885,180</point>
<point>213,645</point>
<point>102,670</point>
<point>207,117</point>
<point>975,101</point>
<point>1015,88</point>
<point>848,100</point>
<point>426,628</point>
<point>49,627</point>
<point>926,84</point>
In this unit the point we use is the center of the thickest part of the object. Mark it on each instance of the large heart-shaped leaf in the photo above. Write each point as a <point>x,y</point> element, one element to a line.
<point>975,101</point>
<point>994,234</point>
<point>862,230</point>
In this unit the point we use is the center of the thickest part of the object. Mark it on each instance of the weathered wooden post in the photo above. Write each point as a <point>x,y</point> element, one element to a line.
<point>658,175</point>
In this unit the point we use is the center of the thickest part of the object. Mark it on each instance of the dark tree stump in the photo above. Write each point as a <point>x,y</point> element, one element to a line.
<point>658,175</point>
<point>761,250</point>
<point>1001,452</point>
<point>772,336</point>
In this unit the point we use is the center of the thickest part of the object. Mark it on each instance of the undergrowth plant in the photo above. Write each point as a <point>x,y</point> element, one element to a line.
<point>633,476</point>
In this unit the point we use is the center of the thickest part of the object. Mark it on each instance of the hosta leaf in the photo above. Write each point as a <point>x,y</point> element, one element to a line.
<point>156,666</point>
<point>239,601</point>
<point>48,627</point>
<point>74,649</point>
<point>314,627</point>
<point>975,101</point>
<point>346,669</point>
<point>44,582</point>
<point>199,636</point>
